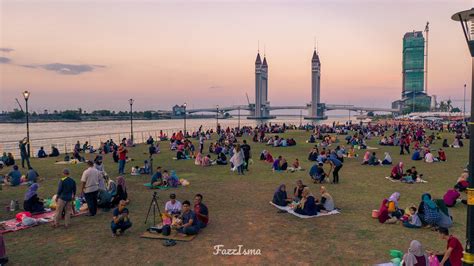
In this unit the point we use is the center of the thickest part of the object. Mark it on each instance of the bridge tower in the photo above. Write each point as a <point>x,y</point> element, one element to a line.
<point>261,110</point>
<point>316,109</point>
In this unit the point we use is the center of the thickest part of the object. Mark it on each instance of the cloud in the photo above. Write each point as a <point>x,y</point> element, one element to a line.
<point>5,60</point>
<point>66,69</point>
<point>6,50</point>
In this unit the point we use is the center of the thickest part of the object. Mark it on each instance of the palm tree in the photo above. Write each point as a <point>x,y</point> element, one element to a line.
<point>442,106</point>
<point>449,105</point>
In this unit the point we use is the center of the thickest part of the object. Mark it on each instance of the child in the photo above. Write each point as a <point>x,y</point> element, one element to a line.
<point>146,168</point>
<point>295,166</point>
<point>413,221</point>
<point>135,170</point>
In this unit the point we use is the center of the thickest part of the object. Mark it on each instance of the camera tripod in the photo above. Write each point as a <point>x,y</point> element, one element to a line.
<point>154,204</point>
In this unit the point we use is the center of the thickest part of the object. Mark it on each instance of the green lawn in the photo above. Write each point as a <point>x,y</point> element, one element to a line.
<point>240,214</point>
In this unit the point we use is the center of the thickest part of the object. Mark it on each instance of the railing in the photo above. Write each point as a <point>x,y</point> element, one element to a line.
<point>66,144</point>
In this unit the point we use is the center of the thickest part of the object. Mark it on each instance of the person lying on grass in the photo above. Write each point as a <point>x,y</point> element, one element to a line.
<point>187,224</point>
<point>120,221</point>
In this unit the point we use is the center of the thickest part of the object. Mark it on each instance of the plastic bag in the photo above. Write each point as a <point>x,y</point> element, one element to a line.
<point>433,260</point>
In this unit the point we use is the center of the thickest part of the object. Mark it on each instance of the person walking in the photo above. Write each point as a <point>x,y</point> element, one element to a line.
<point>65,195</point>
<point>336,165</point>
<point>246,148</point>
<point>122,151</point>
<point>90,187</point>
<point>24,154</point>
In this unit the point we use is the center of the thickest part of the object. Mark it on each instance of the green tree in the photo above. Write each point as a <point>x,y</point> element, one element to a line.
<point>71,115</point>
<point>148,114</point>
<point>455,110</point>
<point>16,114</point>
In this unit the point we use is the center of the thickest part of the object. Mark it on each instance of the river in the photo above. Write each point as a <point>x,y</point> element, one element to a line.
<point>65,134</point>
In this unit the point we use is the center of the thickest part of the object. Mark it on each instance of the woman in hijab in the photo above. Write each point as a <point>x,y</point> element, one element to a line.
<point>280,197</point>
<point>173,180</point>
<point>307,205</point>
<point>416,255</point>
<point>444,219</point>
<point>397,171</point>
<point>31,202</point>
<point>383,212</point>
<point>393,209</point>
<point>121,191</point>
<point>198,160</point>
<point>327,202</point>
<point>366,158</point>
<point>428,210</point>
<point>387,160</point>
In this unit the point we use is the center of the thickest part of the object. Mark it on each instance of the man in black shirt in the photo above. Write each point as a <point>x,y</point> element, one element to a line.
<point>246,148</point>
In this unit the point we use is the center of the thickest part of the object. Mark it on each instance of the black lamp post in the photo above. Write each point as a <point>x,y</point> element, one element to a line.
<point>217,118</point>
<point>466,18</point>
<point>184,120</point>
<point>130,101</point>
<point>26,95</point>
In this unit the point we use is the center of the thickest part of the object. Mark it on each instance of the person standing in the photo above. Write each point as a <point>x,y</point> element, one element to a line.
<point>454,250</point>
<point>122,151</point>
<point>65,195</point>
<point>336,165</point>
<point>201,142</point>
<point>24,154</point>
<point>90,187</point>
<point>246,148</point>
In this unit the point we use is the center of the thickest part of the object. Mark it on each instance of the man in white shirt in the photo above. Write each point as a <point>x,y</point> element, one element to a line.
<point>90,187</point>
<point>173,206</point>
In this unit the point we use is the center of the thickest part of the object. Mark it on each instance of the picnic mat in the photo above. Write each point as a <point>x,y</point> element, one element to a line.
<point>174,236</point>
<point>398,181</point>
<point>289,210</point>
<point>13,225</point>
<point>156,187</point>
<point>68,162</point>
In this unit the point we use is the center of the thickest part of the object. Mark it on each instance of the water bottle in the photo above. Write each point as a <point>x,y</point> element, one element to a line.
<point>78,205</point>
<point>12,205</point>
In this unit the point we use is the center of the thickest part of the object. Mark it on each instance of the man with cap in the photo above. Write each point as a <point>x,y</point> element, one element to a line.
<point>173,206</point>
<point>66,193</point>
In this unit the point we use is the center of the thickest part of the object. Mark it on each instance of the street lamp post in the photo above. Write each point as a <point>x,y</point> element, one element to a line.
<point>466,18</point>
<point>130,101</point>
<point>217,118</point>
<point>239,118</point>
<point>464,107</point>
<point>184,120</point>
<point>26,95</point>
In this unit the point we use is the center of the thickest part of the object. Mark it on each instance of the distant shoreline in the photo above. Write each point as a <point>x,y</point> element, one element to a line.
<point>23,121</point>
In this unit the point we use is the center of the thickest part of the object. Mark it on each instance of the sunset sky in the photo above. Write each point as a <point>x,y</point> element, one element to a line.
<point>97,54</point>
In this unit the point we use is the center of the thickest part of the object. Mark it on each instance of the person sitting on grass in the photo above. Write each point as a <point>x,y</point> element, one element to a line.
<point>32,176</point>
<point>135,170</point>
<point>14,177</point>
<point>280,197</point>
<point>206,160</point>
<point>157,179</point>
<point>441,155</point>
<point>146,168</point>
<point>462,183</point>
<point>54,152</point>
<point>42,153</point>
<point>32,202</point>
<point>412,220</point>
<point>173,206</point>
<point>327,202</point>
<point>429,158</point>
<point>373,159</point>
<point>387,160</point>
<point>189,223</point>
<point>201,211</point>
<point>428,211</point>
<point>283,165</point>
<point>298,190</point>
<point>121,191</point>
<point>276,164</point>
<point>416,155</point>
<point>121,220</point>
<point>221,159</point>
<point>454,251</point>
<point>397,171</point>
<point>317,173</point>
<point>366,158</point>
<point>307,205</point>
<point>393,208</point>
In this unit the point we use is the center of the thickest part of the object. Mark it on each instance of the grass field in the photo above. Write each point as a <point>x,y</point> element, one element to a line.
<point>240,214</point>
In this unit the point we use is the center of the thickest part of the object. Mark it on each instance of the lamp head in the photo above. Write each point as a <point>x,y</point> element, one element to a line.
<point>217,106</point>
<point>131,101</point>
<point>466,18</point>
<point>26,95</point>
<point>184,105</point>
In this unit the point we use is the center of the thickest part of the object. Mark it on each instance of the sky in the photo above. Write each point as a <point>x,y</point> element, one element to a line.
<point>97,54</point>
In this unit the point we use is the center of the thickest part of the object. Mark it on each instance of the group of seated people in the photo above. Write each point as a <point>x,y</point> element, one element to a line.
<point>7,160</point>
<point>303,201</point>
<point>410,176</point>
<point>15,177</point>
<point>427,156</point>
<point>430,213</point>
<point>184,149</point>
<point>371,159</point>
<point>276,141</point>
<point>162,178</point>
<point>457,143</point>
<point>387,141</point>
<point>207,161</point>
<point>185,218</point>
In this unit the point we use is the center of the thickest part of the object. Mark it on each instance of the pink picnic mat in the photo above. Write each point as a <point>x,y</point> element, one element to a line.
<point>13,225</point>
